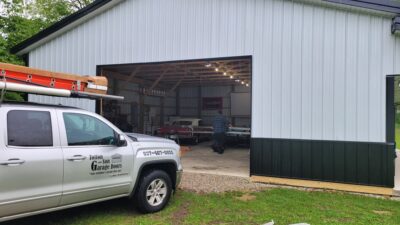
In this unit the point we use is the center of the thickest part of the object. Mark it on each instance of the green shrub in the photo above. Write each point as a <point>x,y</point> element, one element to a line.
<point>14,96</point>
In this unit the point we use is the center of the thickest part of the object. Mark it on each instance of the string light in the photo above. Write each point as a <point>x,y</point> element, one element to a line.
<point>231,77</point>
<point>216,69</point>
<point>242,82</point>
<point>224,73</point>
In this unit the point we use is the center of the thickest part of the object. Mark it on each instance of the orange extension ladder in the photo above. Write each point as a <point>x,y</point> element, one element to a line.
<point>36,81</point>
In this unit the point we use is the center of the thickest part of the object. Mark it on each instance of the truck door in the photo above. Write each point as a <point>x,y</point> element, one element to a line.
<point>30,161</point>
<point>94,167</point>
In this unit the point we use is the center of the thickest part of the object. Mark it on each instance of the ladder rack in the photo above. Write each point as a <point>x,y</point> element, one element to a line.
<point>36,81</point>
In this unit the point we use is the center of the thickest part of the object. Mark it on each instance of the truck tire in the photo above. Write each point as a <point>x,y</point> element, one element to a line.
<point>154,191</point>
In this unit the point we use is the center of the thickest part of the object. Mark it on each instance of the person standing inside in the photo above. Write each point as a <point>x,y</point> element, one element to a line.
<point>220,126</point>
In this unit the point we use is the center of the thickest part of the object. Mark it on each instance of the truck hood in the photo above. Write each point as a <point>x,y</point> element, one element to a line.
<point>147,138</point>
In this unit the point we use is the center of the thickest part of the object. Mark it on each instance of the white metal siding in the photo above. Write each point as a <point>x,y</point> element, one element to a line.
<point>318,72</point>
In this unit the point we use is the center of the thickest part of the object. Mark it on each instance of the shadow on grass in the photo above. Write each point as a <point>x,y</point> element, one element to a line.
<point>117,207</point>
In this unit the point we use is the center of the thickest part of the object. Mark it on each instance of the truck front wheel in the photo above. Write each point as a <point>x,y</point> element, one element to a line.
<point>154,191</point>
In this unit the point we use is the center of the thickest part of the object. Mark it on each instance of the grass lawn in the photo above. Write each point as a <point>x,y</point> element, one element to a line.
<point>284,206</point>
<point>397,133</point>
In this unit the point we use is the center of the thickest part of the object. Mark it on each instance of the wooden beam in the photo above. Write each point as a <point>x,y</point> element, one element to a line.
<point>123,77</point>
<point>199,108</point>
<point>162,105</point>
<point>178,102</point>
<point>132,75</point>
<point>158,79</point>
<point>175,86</point>
<point>203,77</point>
<point>324,185</point>
<point>141,113</point>
<point>179,82</point>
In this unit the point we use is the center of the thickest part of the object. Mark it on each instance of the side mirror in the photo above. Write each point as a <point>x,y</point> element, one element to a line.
<point>121,141</point>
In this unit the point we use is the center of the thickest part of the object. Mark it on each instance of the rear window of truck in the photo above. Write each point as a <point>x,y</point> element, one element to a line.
<point>29,128</point>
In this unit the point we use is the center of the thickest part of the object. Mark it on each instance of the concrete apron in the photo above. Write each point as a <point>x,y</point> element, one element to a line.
<point>201,159</point>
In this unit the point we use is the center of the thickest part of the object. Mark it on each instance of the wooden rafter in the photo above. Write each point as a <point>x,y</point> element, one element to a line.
<point>159,79</point>
<point>185,73</point>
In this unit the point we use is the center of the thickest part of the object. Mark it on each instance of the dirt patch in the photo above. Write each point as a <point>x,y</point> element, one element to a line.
<point>382,212</point>
<point>246,197</point>
<point>179,216</point>
<point>344,220</point>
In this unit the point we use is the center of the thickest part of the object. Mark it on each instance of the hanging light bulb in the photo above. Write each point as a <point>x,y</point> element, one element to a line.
<point>247,85</point>
<point>242,82</point>
<point>224,73</point>
<point>216,69</point>
<point>231,77</point>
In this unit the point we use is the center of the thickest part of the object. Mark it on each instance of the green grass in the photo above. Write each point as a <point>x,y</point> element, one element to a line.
<point>397,133</point>
<point>284,206</point>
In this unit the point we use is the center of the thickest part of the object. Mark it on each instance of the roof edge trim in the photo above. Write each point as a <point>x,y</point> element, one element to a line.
<point>379,5</point>
<point>63,25</point>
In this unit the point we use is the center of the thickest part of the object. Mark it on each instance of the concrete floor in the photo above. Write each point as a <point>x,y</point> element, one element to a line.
<point>201,159</point>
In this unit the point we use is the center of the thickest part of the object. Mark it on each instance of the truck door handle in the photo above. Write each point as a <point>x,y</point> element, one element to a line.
<point>12,162</point>
<point>77,158</point>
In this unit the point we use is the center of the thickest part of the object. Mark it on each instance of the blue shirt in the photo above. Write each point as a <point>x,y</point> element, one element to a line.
<point>220,124</point>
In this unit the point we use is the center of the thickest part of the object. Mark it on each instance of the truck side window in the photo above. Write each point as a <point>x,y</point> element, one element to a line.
<point>87,130</point>
<point>29,128</point>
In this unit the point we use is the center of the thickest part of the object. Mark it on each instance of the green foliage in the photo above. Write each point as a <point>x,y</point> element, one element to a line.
<point>20,20</point>
<point>78,4</point>
<point>5,55</point>
<point>50,11</point>
<point>13,96</point>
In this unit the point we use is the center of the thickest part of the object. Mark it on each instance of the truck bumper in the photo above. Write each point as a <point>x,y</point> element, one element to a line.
<point>178,178</point>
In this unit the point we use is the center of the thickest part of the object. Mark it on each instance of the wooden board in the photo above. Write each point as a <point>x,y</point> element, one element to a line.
<point>325,185</point>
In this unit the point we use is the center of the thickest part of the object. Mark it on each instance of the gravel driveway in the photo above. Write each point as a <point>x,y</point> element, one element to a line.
<point>207,183</point>
<point>211,183</point>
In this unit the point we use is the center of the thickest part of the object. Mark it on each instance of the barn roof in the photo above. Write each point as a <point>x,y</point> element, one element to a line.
<point>100,5</point>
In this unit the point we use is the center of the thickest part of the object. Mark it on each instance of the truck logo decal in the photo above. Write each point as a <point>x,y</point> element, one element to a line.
<point>101,165</point>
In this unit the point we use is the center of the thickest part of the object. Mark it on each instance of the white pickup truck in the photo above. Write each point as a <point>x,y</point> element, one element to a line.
<point>57,157</point>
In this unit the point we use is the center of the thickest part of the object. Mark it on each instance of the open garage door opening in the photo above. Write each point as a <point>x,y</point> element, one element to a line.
<point>180,100</point>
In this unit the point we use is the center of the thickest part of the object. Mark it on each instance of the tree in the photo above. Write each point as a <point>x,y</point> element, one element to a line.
<point>49,11</point>
<point>78,4</point>
<point>21,19</point>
